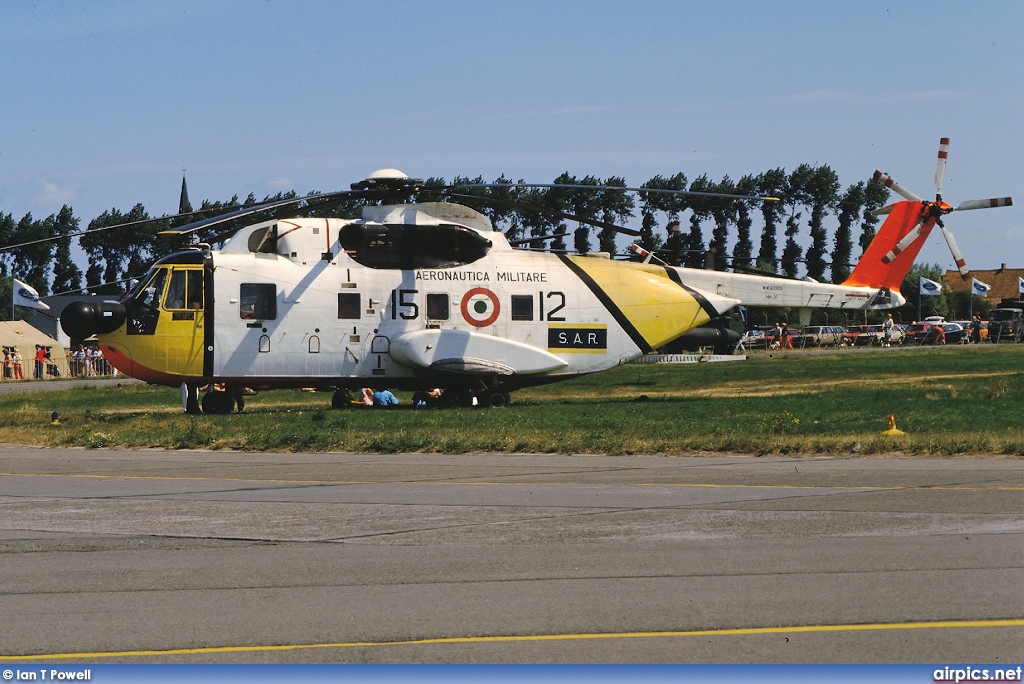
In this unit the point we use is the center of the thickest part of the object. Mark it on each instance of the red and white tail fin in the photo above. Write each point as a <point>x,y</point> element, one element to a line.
<point>894,248</point>
<point>890,255</point>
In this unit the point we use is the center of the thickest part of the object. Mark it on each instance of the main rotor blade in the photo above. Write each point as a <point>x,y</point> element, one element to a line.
<point>538,238</point>
<point>958,258</point>
<point>340,196</point>
<point>565,186</point>
<point>985,204</point>
<point>940,167</point>
<point>552,212</point>
<point>883,211</point>
<point>890,183</point>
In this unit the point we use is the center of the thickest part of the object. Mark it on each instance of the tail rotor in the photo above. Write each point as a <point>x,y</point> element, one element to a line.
<point>931,213</point>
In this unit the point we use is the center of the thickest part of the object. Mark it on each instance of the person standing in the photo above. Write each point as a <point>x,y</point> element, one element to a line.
<point>37,371</point>
<point>976,330</point>
<point>777,335</point>
<point>8,364</point>
<point>786,341</point>
<point>18,374</point>
<point>887,329</point>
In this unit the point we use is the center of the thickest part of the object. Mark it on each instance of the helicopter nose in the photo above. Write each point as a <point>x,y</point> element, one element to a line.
<point>85,319</point>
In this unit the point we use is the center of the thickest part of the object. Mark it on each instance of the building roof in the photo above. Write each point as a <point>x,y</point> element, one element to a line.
<point>1004,282</point>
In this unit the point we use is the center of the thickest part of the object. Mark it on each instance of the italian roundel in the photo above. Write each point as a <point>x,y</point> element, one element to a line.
<point>480,307</point>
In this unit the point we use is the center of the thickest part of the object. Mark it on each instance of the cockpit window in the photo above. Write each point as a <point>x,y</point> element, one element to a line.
<point>142,306</point>
<point>185,290</point>
<point>152,291</point>
<point>137,285</point>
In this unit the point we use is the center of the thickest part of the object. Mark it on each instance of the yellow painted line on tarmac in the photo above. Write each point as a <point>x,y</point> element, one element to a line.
<point>521,638</point>
<point>532,483</point>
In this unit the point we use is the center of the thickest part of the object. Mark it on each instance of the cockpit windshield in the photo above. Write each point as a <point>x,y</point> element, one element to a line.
<point>142,305</point>
<point>134,290</point>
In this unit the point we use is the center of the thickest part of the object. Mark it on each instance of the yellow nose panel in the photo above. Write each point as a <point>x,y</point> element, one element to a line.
<point>651,306</point>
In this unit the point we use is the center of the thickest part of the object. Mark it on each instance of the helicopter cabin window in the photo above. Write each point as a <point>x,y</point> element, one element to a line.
<point>522,307</point>
<point>437,307</point>
<point>264,240</point>
<point>257,301</point>
<point>185,290</point>
<point>348,305</point>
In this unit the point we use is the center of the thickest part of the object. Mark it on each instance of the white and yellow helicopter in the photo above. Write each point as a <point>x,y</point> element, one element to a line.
<point>419,295</point>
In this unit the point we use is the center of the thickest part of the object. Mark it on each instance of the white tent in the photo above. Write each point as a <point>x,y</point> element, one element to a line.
<point>23,337</point>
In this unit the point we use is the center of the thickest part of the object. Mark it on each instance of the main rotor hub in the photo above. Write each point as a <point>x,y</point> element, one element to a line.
<point>391,181</point>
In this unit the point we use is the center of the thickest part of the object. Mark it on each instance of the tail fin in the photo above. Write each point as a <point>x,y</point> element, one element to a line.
<point>873,270</point>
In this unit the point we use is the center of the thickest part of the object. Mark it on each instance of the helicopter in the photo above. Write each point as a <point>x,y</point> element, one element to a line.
<point>416,296</point>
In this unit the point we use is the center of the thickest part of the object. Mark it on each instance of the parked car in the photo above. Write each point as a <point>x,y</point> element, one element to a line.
<point>939,333</point>
<point>755,339</point>
<point>819,336</point>
<point>863,336</point>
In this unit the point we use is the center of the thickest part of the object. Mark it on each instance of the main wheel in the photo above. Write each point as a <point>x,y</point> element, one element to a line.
<point>496,399</point>
<point>217,403</point>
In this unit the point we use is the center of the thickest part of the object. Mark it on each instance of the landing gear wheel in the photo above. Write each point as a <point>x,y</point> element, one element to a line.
<point>217,403</point>
<point>341,399</point>
<point>496,399</point>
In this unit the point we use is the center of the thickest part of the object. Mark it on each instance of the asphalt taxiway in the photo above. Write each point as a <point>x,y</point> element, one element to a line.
<point>198,556</point>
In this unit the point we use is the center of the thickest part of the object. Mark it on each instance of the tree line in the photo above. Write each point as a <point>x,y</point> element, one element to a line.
<point>808,196</point>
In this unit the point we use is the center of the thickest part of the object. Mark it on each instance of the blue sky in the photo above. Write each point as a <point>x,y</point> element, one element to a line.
<point>106,101</point>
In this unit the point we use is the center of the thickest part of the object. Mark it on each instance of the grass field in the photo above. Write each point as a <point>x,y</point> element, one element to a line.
<point>947,401</point>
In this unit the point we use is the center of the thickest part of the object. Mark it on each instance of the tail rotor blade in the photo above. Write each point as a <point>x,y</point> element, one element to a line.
<point>961,266</point>
<point>940,167</point>
<point>890,183</point>
<point>985,204</point>
<point>907,240</point>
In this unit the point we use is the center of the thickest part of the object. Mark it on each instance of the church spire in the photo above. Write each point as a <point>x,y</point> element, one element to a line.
<point>184,207</point>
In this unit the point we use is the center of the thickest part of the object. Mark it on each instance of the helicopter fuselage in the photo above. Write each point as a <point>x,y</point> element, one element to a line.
<point>413,296</point>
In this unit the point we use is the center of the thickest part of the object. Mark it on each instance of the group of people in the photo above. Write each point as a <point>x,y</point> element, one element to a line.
<point>41,365</point>
<point>82,361</point>
<point>385,398</point>
<point>781,338</point>
<point>12,364</point>
<point>88,362</point>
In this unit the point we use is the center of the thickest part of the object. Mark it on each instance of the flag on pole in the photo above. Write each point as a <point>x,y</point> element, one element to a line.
<point>930,288</point>
<point>979,288</point>
<point>26,295</point>
<point>1020,284</point>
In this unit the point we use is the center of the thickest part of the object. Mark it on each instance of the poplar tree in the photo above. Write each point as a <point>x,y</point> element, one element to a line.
<point>850,204</point>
